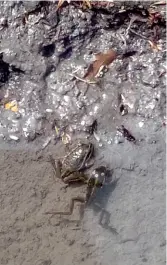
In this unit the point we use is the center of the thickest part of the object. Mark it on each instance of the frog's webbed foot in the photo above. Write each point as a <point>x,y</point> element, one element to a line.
<point>71,206</point>
<point>105,220</point>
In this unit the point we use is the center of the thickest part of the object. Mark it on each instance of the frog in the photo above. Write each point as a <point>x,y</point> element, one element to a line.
<point>71,168</point>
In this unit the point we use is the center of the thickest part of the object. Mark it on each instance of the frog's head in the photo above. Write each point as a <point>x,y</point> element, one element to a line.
<point>95,181</point>
<point>100,174</point>
<point>98,177</point>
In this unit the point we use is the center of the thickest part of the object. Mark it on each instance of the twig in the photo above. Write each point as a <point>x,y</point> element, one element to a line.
<point>83,80</point>
<point>136,33</point>
<point>159,3</point>
<point>132,20</point>
<point>122,36</point>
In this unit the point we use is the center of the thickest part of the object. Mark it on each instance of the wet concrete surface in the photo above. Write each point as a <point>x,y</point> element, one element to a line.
<point>38,56</point>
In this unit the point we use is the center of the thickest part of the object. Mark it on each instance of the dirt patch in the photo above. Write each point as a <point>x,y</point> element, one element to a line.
<point>28,190</point>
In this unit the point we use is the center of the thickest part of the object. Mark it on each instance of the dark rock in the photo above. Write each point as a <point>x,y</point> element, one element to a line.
<point>47,50</point>
<point>30,5</point>
<point>4,71</point>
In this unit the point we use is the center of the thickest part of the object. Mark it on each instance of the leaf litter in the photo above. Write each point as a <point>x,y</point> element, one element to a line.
<point>102,60</point>
<point>86,3</point>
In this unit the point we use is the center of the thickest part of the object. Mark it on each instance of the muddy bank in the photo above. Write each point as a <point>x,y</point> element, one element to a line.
<point>50,47</point>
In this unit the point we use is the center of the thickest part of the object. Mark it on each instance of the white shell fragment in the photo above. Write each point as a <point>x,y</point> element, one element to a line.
<point>96,137</point>
<point>49,110</point>
<point>141,123</point>
<point>13,137</point>
<point>66,138</point>
<point>46,142</point>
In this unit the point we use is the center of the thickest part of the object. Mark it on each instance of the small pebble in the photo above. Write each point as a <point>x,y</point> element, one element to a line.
<point>104,96</point>
<point>144,260</point>
<point>49,110</point>
<point>46,142</point>
<point>82,123</point>
<point>71,242</point>
<point>3,21</point>
<point>118,140</point>
<point>154,141</point>
<point>141,123</point>
<point>163,244</point>
<point>96,137</point>
<point>13,137</point>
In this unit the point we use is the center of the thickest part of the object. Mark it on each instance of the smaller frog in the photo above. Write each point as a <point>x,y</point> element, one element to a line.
<point>94,181</point>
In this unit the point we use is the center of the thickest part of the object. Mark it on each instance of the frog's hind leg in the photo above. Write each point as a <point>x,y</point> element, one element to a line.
<point>72,203</point>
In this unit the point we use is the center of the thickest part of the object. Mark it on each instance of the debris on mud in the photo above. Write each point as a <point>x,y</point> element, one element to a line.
<point>102,60</point>
<point>57,44</point>
<point>93,127</point>
<point>126,134</point>
<point>86,3</point>
<point>12,106</point>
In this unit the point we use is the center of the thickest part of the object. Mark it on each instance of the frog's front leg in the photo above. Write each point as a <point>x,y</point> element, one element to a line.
<point>56,166</point>
<point>71,206</point>
<point>90,192</point>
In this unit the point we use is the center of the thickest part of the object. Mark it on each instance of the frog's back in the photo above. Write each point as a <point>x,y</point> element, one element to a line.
<point>76,156</point>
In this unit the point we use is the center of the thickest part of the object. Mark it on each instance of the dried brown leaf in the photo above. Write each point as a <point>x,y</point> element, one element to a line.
<point>155,46</point>
<point>159,3</point>
<point>102,59</point>
<point>59,4</point>
<point>87,3</point>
